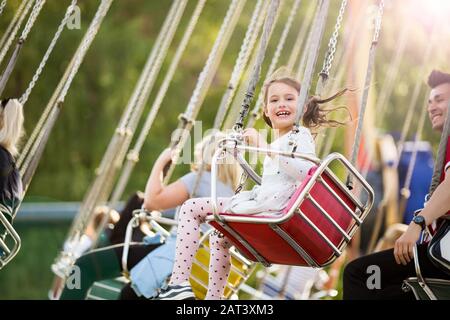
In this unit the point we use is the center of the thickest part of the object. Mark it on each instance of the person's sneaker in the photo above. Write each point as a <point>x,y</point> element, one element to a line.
<point>182,291</point>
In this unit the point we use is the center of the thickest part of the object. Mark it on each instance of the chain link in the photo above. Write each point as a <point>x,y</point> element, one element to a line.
<point>242,181</point>
<point>33,16</point>
<point>275,59</point>
<point>245,51</point>
<point>104,7</point>
<point>38,72</point>
<point>21,14</point>
<point>333,41</point>
<point>376,34</point>
<point>2,6</point>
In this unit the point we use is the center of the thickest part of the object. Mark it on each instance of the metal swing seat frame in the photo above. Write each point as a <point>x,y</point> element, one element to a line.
<point>241,268</point>
<point>315,227</point>
<point>426,288</point>
<point>10,245</point>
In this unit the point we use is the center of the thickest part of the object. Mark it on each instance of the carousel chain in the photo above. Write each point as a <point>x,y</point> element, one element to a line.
<point>254,77</point>
<point>15,26</point>
<point>32,19</point>
<point>333,41</point>
<point>24,98</point>
<point>276,57</point>
<point>204,81</point>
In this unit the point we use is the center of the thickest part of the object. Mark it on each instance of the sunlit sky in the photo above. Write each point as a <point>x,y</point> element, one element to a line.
<point>426,12</point>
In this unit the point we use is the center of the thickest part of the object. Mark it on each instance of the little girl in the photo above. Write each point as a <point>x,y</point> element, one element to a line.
<point>281,176</point>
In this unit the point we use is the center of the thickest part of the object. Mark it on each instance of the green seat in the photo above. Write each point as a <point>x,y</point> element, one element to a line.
<point>106,289</point>
<point>439,288</point>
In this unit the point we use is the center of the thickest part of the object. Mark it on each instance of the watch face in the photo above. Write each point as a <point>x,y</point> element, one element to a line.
<point>419,219</point>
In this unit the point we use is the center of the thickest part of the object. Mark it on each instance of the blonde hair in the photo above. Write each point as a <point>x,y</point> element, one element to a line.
<point>228,172</point>
<point>11,125</point>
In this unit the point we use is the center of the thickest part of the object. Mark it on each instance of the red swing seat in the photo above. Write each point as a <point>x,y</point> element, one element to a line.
<point>312,230</point>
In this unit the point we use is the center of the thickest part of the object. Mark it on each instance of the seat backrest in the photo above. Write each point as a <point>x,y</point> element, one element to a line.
<point>300,188</point>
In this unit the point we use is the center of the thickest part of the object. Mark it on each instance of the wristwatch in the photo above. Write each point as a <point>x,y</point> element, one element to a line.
<point>420,220</point>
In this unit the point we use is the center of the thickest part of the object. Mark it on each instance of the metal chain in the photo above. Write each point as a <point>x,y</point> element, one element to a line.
<point>365,95</point>
<point>392,73</point>
<point>412,163</point>
<point>23,99</point>
<point>416,92</point>
<point>211,58</point>
<point>79,56</point>
<point>148,65</point>
<point>205,79</point>
<point>12,24</point>
<point>378,21</point>
<point>104,183</point>
<point>330,135</point>
<point>273,64</point>
<point>116,151</point>
<point>244,54</point>
<point>44,116</point>
<point>333,42</point>
<point>133,154</point>
<point>318,28</point>
<point>300,40</point>
<point>302,59</point>
<point>104,7</point>
<point>242,182</point>
<point>2,6</point>
<point>33,16</point>
<point>21,14</point>
<point>111,150</point>
<point>15,55</point>
<point>255,74</point>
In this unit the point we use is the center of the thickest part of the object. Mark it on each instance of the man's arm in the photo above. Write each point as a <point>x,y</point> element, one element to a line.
<point>437,206</point>
<point>439,203</point>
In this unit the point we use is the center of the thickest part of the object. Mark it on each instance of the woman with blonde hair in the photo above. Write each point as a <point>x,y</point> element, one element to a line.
<point>160,197</point>
<point>157,197</point>
<point>11,130</point>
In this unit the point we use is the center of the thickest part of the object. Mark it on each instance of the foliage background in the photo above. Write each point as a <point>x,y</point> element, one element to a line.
<point>106,80</point>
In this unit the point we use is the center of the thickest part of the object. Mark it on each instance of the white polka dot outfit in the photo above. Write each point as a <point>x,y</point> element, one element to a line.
<point>281,176</point>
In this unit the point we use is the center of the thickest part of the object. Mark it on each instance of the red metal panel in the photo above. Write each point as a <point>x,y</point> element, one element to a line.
<point>276,250</point>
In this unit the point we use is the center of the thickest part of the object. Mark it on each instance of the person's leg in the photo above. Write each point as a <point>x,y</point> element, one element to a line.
<point>192,213</point>
<point>219,266</point>
<point>361,282</point>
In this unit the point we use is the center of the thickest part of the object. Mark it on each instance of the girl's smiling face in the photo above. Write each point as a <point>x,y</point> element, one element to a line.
<point>281,106</point>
